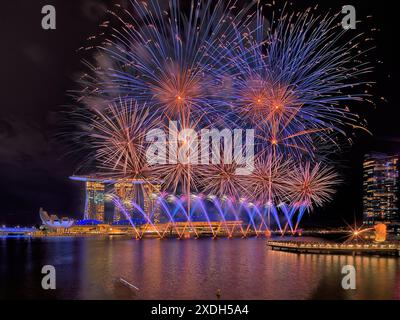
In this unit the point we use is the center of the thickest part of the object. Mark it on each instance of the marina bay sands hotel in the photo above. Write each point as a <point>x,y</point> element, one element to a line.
<point>99,193</point>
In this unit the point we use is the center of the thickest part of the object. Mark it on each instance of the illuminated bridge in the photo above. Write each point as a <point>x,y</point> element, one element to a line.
<point>5,231</point>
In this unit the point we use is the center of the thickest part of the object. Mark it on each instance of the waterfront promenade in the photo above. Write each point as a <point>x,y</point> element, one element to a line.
<point>387,249</point>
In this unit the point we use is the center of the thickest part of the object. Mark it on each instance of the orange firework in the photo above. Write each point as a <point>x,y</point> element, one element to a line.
<point>312,184</point>
<point>222,180</point>
<point>269,181</point>
<point>117,134</point>
<point>178,91</point>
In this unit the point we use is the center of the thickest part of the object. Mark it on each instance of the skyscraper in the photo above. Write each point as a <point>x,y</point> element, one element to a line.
<point>94,202</point>
<point>100,206</point>
<point>381,188</point>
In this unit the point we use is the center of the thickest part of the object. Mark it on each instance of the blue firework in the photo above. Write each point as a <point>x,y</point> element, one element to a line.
<point>291,80</point>
<point>160,56</point>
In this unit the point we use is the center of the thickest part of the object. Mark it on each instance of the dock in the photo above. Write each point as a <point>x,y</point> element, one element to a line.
<point>387,249</point>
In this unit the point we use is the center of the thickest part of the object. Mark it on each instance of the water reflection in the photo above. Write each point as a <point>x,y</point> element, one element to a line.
<point>89,268</point>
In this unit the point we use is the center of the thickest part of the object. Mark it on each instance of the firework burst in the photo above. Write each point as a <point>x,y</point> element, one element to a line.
<point>216,65</point>
<point>312,184</point>
<point>117,134</point>
<point>292,77</point>
<point>160,57</point>
<point>178,168</point>
<point>268,182</point>
<point>222,180</point>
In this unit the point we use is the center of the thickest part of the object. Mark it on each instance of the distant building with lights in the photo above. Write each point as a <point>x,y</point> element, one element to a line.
<point>54,222</point>
<point>381,188</point>
<point>100,192</point>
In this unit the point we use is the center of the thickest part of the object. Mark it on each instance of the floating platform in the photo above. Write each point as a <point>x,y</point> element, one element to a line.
<point>389,249</point>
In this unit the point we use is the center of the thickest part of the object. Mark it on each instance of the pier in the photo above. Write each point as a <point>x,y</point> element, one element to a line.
<point>389,249</point>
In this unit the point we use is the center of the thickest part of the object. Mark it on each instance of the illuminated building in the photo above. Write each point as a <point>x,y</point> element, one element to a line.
<point>381,188</point>
<point>123,190</point>
<point>53,222</point>
<point>99,192</point>
<point>94,202</point>
<point>150,201</point>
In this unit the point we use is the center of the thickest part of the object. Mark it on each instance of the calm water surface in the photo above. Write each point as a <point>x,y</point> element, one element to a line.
<point>89,268</point>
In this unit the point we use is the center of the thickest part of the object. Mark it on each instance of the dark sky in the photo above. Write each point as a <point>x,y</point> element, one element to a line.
<point>40,66</point>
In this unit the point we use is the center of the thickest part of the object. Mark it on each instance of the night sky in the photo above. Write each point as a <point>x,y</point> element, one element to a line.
<point>39,67</point>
